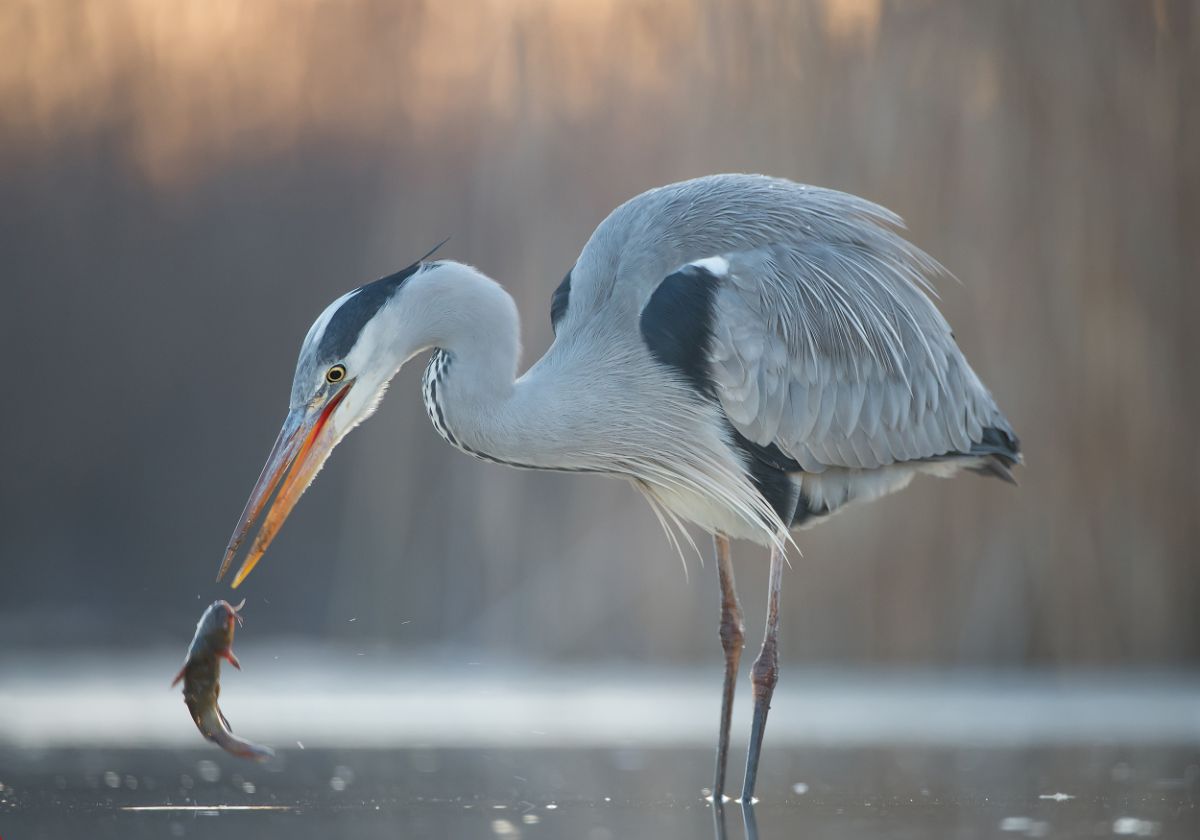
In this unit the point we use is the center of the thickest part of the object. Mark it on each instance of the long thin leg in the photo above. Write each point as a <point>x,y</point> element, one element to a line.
<point>732,641</point>
<point>749,821</point>
<point>764,674</point>
<point>719,832</point>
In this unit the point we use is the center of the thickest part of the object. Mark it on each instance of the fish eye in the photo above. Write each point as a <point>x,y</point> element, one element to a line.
<point>335,374</point>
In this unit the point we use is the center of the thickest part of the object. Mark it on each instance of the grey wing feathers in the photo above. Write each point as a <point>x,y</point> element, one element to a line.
<point>831,350</point>
<point>824,342</point>
<point>655,233</point>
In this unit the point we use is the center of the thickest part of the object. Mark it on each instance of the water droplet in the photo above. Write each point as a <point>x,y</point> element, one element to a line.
<point>800,788</point>
<point>208,770</point>
<point>112,778</point>
<point>1132,826</point>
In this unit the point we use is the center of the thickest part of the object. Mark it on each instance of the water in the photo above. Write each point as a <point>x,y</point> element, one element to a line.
<point>619,793</point>
<point>375,746</point>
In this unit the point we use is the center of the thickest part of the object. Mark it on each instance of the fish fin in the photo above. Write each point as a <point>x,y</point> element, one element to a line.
<point>179,676</point>
<point>233,660</point>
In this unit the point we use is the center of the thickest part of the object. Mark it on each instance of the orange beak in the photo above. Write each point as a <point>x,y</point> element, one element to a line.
<point>303,444</point>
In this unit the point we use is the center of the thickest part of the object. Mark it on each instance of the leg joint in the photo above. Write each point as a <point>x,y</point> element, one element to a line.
<point>733,634</point>
<point>765,672</point>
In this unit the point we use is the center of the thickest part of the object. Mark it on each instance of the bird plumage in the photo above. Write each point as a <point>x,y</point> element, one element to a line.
<point>804,316</point>
<point>753,354</point>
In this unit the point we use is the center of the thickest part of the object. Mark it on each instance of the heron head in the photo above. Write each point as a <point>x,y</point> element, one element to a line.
<point>348,357</point>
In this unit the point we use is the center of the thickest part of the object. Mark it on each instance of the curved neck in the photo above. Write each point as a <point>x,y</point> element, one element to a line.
<point>470,388</point>
<point>472,318</point>
<point>581,407</point>
<point>542,420</point>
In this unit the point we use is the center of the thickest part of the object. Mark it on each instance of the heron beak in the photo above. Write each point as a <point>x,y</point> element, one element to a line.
<point>304,443</point>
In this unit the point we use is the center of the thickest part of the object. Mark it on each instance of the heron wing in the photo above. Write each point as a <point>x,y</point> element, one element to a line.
<point>823,347</point>
<point>831,351</point>
<point>654,233</point>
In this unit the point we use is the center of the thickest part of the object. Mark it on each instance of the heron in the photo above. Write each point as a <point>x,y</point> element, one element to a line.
<point>753,354</point>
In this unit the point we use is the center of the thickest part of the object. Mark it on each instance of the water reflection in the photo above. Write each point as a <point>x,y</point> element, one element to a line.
<point>216,809</point>
<point>617,793</point>
<point>749,821</point>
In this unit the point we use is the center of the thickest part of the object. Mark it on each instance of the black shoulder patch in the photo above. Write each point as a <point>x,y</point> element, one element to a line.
<point>347,323</point>
<point>559,302</point>
<point>677,324</point>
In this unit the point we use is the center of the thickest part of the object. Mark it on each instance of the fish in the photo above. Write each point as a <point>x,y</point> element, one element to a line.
<point>201,677</point>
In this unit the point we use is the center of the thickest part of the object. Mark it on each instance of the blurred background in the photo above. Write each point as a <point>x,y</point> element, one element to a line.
<point>186,186</point>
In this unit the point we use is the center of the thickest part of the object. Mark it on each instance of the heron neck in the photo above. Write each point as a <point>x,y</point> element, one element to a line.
<point>477,404</point>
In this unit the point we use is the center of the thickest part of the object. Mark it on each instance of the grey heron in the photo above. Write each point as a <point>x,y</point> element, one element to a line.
<point>753,354</point>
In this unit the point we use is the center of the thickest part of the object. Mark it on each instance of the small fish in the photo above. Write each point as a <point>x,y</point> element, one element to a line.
<point>201,675</point>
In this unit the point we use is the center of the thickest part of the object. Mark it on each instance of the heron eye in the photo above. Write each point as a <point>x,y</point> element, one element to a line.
<point>335,374</point>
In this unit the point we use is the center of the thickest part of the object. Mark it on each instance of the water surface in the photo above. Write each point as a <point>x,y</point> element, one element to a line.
<point>600,794</point>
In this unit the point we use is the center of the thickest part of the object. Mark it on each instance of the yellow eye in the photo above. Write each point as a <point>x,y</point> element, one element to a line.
<point>335,374</point>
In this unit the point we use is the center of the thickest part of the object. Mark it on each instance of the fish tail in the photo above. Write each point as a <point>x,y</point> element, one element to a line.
<point>234,745</point>
<point>216,729</point>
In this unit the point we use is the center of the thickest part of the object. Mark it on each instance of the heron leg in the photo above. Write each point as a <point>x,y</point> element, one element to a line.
<point>719,831</point>
<point>732,641</point>
<point>764,674</point>
<point>749,821</point>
